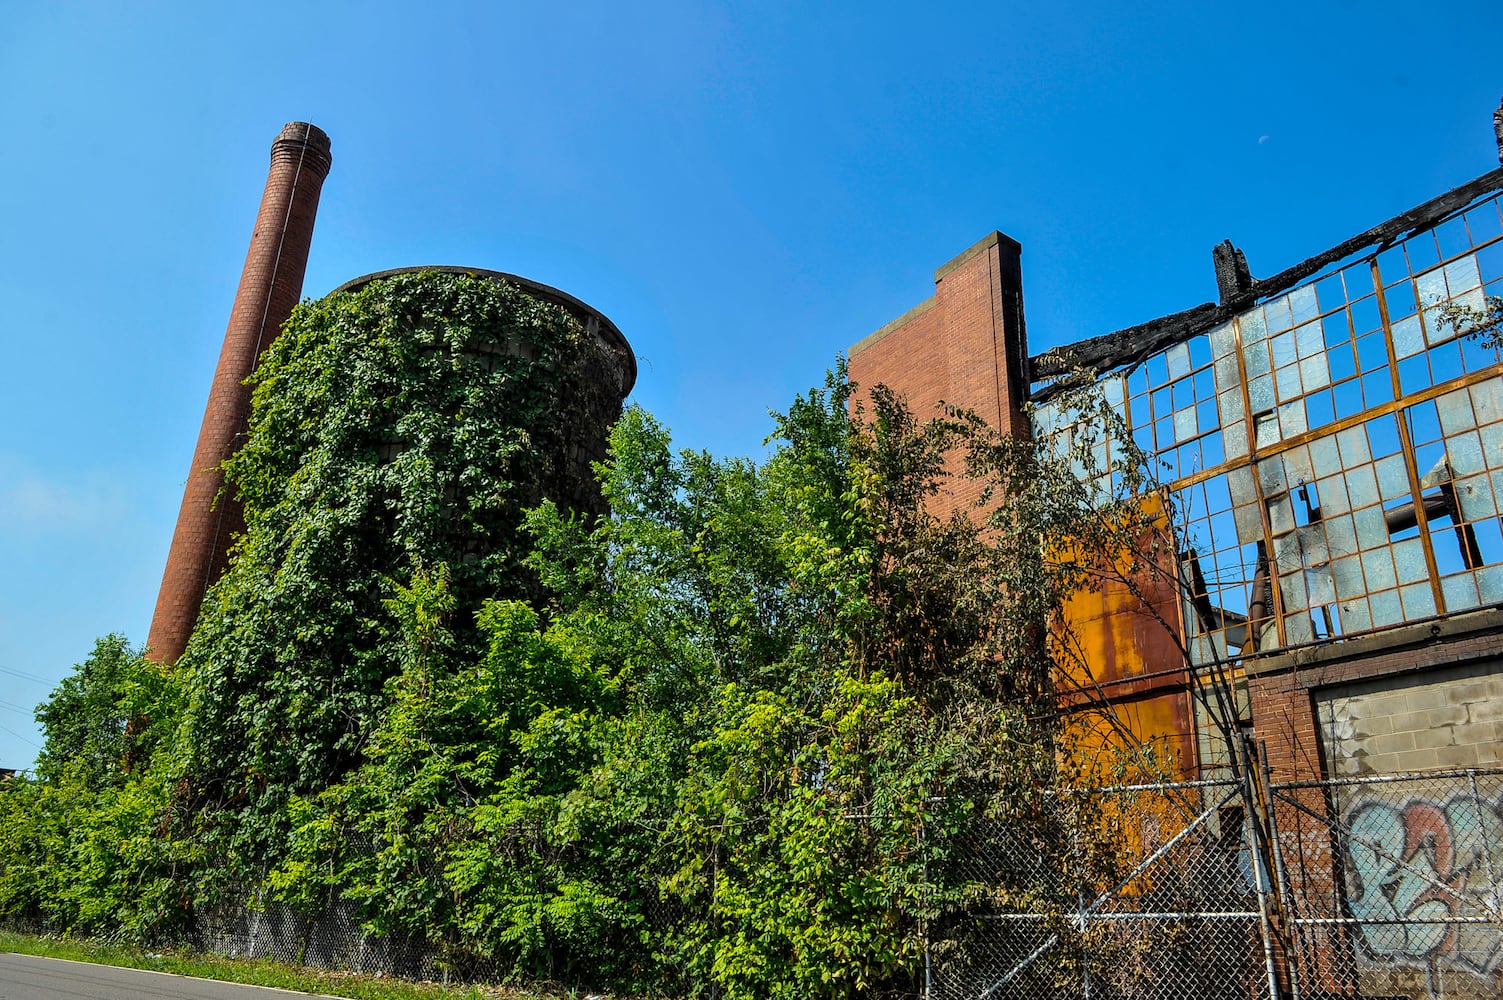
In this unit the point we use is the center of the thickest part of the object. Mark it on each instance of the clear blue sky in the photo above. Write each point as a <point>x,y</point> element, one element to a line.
<point>746,189</point>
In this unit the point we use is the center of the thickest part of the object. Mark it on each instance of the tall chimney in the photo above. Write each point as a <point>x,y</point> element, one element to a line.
<point>270,285</point>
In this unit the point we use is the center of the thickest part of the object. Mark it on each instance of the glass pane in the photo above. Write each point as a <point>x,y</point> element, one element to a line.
<point>1418,600</point>
<point>1409,560</point>
<point>1223,340</point>
<point>1355,616</point>
<point>1385,608</point>
<point>1353,445</point>
<point>1341,535</point>
<point>1302,304</point>
<point>1464,452</point>
<point>1178,360</point>
<point>1361,486</point>
<point>1455,410</point>
<point>1260,393</point>
<point>1284,352</point>
<point>1487,399</point>
<point>1292,419</point>
<point>1314,373</point>
<point>1377,566</point>
<point>1393,477</point>
<point>1253,325</point>
<point>1408,337</point>
<point>1324,456</point>
<point>1463,275</point>
<point>1346,572</point>
<point>1460,592</point>
<point>1287,380</point>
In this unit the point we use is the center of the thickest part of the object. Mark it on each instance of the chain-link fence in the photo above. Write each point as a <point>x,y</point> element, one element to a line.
<point>1372,888</point>
<point>1149,892</point>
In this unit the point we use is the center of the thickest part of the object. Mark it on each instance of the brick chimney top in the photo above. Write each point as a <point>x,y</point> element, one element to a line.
<point>307,142</point>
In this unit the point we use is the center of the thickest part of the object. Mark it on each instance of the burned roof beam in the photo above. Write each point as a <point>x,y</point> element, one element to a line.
<point>1129,346</point>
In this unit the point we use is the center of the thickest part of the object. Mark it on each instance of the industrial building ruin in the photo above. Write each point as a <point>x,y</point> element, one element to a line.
<point>1331,440</point>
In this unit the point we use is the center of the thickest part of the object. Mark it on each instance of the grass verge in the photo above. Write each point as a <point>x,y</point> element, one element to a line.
<point>253,972</point>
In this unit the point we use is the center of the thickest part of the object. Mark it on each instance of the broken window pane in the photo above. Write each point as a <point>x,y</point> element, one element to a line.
<point>1487,399</point>
<point>1365,315</point>
<point>1267,429</point>
<point>1355,616</point>
<point>1490,584</point>
<point>1280,515</point>
<point>1333,496</point>
<point>1271,479</point>
<point>1431,288</point>
<point>1341,362</point>
<point>1260,393</point>
<point>1475,496</point>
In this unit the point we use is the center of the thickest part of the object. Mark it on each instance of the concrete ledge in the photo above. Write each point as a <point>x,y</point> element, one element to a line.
<point>887,328</point>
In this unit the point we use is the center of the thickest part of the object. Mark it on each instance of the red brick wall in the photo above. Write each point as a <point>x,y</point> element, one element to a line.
<point>270,285</point>
<point>964,347</point>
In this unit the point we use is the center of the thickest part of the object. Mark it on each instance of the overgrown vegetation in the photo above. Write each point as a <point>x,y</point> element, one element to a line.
<point>721,741</point>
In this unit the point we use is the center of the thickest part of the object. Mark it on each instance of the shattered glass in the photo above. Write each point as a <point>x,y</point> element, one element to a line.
<point>1223,340</point>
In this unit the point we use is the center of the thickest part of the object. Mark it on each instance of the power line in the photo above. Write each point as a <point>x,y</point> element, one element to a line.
<point>23,739</point>
<point>23,675</point>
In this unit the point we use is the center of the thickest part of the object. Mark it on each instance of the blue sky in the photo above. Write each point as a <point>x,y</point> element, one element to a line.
<point>746,189</point>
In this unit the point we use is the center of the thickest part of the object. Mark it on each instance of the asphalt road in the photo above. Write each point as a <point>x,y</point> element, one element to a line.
<point>26,977</point>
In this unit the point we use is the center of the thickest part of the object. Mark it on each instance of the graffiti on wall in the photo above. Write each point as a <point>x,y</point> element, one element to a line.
<point>1425,881</point>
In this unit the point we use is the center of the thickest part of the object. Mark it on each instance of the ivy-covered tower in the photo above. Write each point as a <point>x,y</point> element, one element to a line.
<point>400,428</point>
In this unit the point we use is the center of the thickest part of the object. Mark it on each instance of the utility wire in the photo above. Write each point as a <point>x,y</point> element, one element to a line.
<point>23,675</point>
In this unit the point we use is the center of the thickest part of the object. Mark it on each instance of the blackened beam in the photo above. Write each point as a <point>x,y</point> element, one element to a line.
<point>1128,347</point>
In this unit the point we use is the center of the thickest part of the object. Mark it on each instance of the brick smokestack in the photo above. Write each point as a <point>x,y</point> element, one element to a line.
<point>270,285</point>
